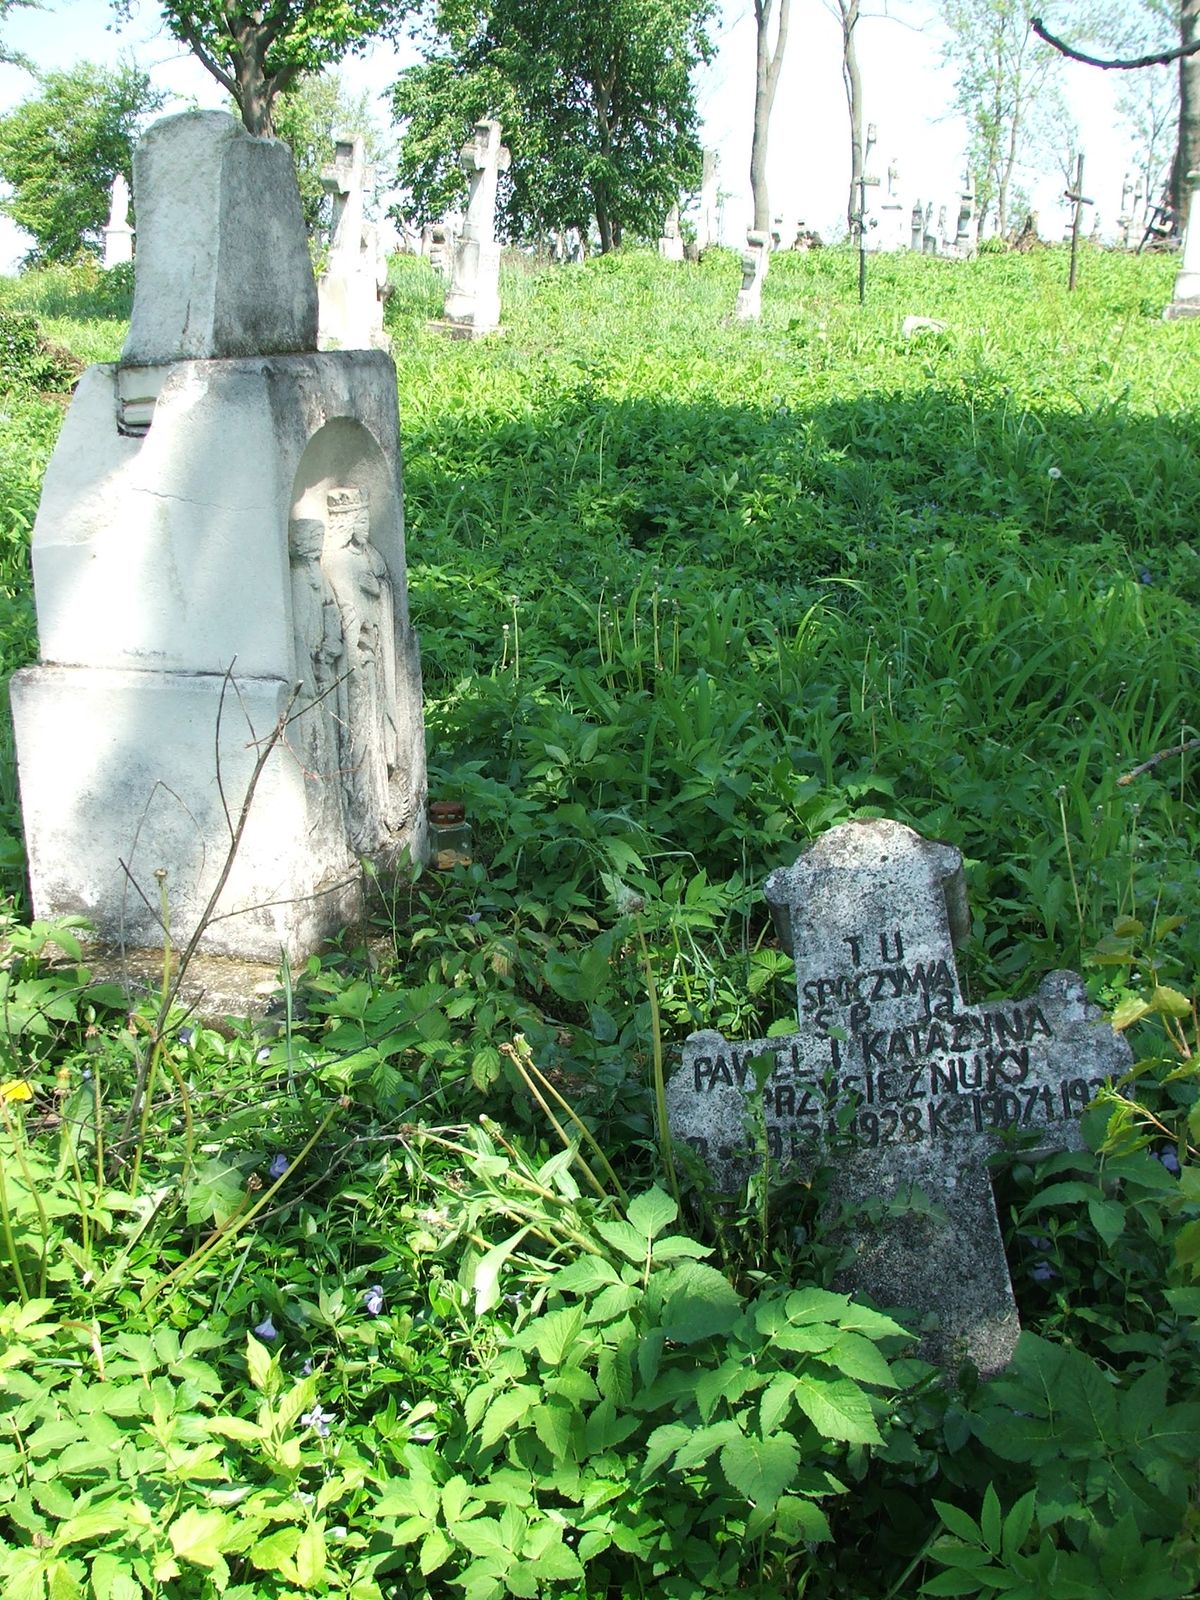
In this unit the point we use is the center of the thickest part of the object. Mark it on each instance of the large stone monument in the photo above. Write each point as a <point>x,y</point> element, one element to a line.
<point>351,290</point>
<point>473,303</point>
<point>897,1083</point>
<point>118,235</point>
<point>219,574</point>
<point>1185,301</point>
<point>748,307</point>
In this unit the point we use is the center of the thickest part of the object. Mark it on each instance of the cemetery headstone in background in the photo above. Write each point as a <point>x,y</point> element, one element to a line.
<point>350,293</point>
<point>670,245</point>
<point>1185,301</point>
<point>894,1081</point>
<point>473,303</point>
<point>223,500</point>
<point>118,235</point>
<point>754,270</point>
<point>708,223</point>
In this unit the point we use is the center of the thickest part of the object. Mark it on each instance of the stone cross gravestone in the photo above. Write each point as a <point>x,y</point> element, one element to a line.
<point>118,235</point>
<point>1185,300</point>
<point>754,269</point>
<point>350,293</point>
<point>473,302</point>
<point>670,245</point>
<point>918,227</point>
<point>895,1082</point>
<point>225,503</point>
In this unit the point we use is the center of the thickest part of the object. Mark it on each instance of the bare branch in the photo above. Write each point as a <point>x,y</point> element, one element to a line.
<point>1163,59</point>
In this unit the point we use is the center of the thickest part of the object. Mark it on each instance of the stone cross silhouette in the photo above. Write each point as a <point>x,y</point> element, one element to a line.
<point>346,179</point>
<point>894,1082</point>
<point>483,158</point>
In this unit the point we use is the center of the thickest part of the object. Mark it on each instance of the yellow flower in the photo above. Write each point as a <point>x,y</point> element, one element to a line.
<point>15,1089</point>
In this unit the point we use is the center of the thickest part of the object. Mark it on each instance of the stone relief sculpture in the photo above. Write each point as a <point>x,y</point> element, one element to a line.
<point>374,785</point>
<point>320,649</point>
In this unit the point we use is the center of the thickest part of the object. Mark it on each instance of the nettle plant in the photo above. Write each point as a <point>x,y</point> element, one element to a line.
<point>644,1428</point>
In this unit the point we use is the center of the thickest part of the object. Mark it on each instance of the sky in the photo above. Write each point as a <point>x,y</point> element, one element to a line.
<point>907,89</point>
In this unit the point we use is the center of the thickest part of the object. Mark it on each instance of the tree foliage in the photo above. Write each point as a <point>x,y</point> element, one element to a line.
<point>8,56</point>
<point>257,51</point>
<point>61,149</point>
<point>311,117</point>
<point>1004,77</point>
<point>595,98</point>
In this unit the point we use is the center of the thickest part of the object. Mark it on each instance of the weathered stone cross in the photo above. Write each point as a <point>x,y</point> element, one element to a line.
<point>483,158</point>
<point>346,179</point>
<point>894,1081</point>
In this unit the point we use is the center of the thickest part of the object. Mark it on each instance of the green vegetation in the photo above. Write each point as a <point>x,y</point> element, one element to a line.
<point>61,149</point>
<point>325,1305</point>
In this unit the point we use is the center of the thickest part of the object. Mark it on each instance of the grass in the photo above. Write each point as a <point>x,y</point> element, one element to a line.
<point>689,593</point>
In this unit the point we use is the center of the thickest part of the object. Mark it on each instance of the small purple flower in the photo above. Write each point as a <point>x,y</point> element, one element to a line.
<point>279,1165</point>
<point>373,1300</point>
<point>266,1329</point>
<point>1042,1272</point>
<point>264,1055</point>
<point>186,1035</point>
<point>473,917</point>
<point>306,1369</point>
<point>1170,1160</point>
<point>318,1419</point>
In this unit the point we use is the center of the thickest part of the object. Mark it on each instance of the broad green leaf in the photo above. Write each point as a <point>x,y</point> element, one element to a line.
<point>960,1524</point>
<point>951,1583</point>
<point>1128,1011</point>
<point>483,1537</point>
<point>582,1276</point>
<point>554,1336</point>
<point>435,1551</point>
<point>651,1212</point>
<point>1108,1219</point>
<point>553,1424</point>
<point>196,1536</point>
<point>815,1305</point>
<point>701,1444</point>
<point>797,1518</point>
<point>624,1238</point>
<point>276,1547</point>
<point>614,1374</point>
<point>760,1469</point>
<point>837,1408</point>
<point>704,1303</point>
<point>1058,1194</point>
<point>506,1410</point>
<point>260,1364</point>
<point>858,1358</point>
<point>92,1525</point>
<point>807,1338</point>
<point>663,1442</point>
<point>1017,1525</point>
<point>1170,1002</point>
<point>776,1402</point>
<point>677,1247</point>
<point>310,1557</point>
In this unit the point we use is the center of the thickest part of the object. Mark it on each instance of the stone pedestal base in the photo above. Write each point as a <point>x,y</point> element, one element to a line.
<point>129,773</point>
<point>1179,310</point>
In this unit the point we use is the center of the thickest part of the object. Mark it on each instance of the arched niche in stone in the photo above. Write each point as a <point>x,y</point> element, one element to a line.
<point>359,735</point>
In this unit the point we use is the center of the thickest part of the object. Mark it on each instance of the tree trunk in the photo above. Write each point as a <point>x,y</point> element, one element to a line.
<point>1187,152</point>
<point>255,92</point>
<point>766,80</point>
<point>852,79</point>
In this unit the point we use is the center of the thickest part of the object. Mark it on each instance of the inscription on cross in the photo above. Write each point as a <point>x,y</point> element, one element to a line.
<point>894,1081</point>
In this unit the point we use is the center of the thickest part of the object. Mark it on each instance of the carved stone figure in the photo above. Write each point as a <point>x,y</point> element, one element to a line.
<point>362,589</point>
<point>320,666</point>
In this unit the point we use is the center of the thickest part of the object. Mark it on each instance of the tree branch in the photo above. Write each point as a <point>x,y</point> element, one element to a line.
<point>1163,59</point>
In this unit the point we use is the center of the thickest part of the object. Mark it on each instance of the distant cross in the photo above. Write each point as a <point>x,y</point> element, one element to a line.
<point>483,158</point>
<point>345,180</point>
<point>894,1081</point>
<point>1078,199</point>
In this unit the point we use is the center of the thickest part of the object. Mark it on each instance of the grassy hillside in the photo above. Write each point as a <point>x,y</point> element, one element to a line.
<point>689,593</point>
